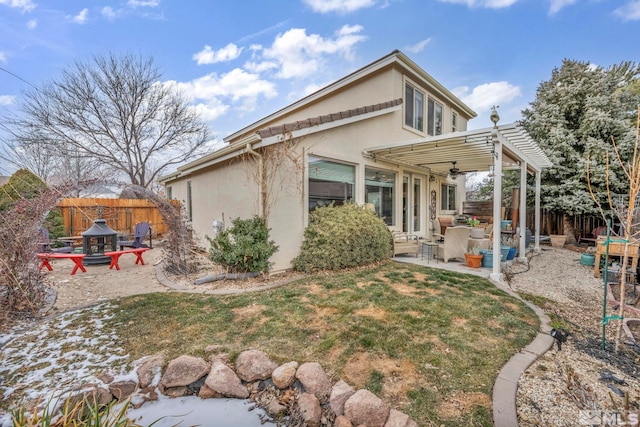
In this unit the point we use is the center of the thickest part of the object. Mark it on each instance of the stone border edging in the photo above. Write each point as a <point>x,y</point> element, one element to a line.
<point>505,412</point>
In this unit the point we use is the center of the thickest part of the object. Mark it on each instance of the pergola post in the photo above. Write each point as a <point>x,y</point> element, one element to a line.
<point>536,247</point>
<point>522,241</point>
<point>497,203</point>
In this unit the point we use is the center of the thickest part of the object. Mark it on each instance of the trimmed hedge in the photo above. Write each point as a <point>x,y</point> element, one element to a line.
<point>344,236</point>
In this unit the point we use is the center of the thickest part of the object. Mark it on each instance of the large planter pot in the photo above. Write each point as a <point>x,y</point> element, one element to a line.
<point>558,240</point>
<point>588,259</point>
<point>473,261</point>
<point>487,258</point>
<point>477,232</point>
<point>504,253</point>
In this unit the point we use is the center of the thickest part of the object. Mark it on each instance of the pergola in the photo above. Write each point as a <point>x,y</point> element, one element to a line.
<point>490,149</point>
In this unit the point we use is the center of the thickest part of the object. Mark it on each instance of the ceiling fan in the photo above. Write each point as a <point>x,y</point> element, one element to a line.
<point>454,171</point>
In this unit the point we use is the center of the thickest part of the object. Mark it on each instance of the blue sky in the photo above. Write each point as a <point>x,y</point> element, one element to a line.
<point>241,60</point>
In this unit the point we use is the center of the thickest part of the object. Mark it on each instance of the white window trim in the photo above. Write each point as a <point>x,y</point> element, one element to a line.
<point>425,95</point>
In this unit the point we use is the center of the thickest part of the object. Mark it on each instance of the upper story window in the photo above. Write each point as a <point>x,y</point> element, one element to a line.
<point>434,118</point>
<point>414,108</point>
<point>454,122</point>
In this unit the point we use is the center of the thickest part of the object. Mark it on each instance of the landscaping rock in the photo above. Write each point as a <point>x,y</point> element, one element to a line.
<point>315,380</point>
<point>148,370</point>
<point>340,392</point>
<point>342,421</point>
<point>274,408</point>
<point>207,393</point>
<point>183,371</point>
<point>366,408</point>
<point>223,380</point>
<point>309,407</point>
<point>252,365</point>
<point>285,375</point>
<point>174,392</point>
<point>399,419</point>
<point>122,389</point>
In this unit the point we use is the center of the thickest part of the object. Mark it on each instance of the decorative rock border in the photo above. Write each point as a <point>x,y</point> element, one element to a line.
<point>291,394</point>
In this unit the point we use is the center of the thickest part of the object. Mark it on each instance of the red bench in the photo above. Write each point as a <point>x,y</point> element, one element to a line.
<point>115,256</point>
<point>76,258</point>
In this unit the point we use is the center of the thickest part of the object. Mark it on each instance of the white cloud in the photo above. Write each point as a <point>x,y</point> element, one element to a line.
<point>209,56</point>
<point>629,11</point>
<point>81,18</point>
<point>142,3</point>
<point>486,95</point>
<point>7,99</point>
<point>25,5</point>
<point>488,4</point>
<point>109,13</point>
<point>557,5</point>
<point>418,47</point>
<point>237,87</point>
<point>32,24</point>
<point>339,6</point>
<point>298,54</point>
<point>3,57</point>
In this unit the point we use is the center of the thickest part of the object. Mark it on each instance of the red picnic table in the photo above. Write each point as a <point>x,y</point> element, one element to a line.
<point>76,258</point>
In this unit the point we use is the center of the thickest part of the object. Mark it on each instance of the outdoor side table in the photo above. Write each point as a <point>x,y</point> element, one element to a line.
<point>428,249</point>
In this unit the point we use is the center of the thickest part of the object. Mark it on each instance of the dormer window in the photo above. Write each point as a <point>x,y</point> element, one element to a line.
<point>414,108</point>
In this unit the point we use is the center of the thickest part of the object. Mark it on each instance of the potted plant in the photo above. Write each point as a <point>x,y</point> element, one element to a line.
<point>477,232</point>
<point>473,258</point>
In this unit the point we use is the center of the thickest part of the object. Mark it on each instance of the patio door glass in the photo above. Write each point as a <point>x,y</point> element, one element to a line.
<point>411,204</point>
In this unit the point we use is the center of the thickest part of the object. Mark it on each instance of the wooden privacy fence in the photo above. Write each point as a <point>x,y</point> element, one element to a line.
<point>550,222</point>
<point>121,214</point>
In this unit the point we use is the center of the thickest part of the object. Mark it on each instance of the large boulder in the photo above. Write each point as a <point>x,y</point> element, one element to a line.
<point>224,381</point>
<point>340,392</point>
<point>309,407</point>
<point>284,375</point>
<point>252,365</point>
<point>399,419</point>
<point>315,380</point>
<point>366,408</point>
<point>183,371</point>
<point>149,369</point>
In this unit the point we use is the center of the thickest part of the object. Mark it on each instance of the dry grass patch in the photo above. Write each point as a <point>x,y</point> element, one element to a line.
<point>454,406</point>
<point>398,375</point>
<point>373,312</point>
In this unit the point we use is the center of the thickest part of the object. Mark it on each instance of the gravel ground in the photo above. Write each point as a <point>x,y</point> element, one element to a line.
<point>581,376</point>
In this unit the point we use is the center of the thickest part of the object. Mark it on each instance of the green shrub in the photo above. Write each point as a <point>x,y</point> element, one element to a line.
<point>243,248</point>
<point>341,237</point>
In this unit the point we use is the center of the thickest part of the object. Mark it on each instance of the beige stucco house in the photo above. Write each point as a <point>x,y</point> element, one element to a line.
<point>350,141</point>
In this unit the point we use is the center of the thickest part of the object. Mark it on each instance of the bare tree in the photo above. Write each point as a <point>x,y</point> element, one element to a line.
<point>277,169</point>
<point>626,214</point>
<point>114,111</point>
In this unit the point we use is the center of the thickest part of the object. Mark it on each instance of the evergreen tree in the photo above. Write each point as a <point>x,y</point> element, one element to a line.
<point>574,118</point>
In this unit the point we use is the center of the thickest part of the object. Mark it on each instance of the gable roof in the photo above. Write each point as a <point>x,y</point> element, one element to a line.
<point>395,58</point>
<point>261,133</point>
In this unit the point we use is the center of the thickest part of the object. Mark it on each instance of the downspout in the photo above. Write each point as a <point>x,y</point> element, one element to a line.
<point>262,202</point>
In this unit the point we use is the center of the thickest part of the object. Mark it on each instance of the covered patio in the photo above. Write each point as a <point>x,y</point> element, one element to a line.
<point>491,149</point>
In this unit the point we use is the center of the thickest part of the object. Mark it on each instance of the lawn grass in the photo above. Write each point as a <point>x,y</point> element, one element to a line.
<point>430,342</point>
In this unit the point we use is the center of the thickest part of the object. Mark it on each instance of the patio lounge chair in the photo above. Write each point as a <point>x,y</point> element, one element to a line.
<point>455,245</point>
<point>44,244</point>
<point>404,243</point>
<point>139,232</point>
